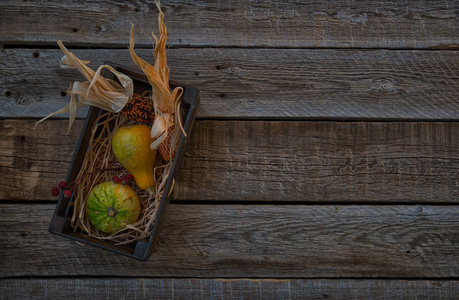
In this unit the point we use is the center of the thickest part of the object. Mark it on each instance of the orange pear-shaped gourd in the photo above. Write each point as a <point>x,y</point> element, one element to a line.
<point>131,146</point>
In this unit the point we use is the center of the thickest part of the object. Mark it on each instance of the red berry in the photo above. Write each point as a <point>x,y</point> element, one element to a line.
<point>123,180</point>
<point>62,185</point>
<point>67,194</point>
<point>116,179</point>
<point>55,191</point>
<point>129,177</point>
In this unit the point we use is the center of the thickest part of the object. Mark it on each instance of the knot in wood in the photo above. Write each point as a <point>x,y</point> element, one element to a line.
<point>386,85</point>
<point>23,100</point>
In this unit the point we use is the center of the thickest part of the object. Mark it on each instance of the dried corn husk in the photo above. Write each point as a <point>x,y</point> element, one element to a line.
<point>71,108</point>
<point>165,101</point>
<point>97,91</point>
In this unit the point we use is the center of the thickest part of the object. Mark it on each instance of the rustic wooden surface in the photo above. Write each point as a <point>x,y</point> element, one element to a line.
<point>219,288</point>
<point>261,83</point>
<point>326,161</point>
<point>362,24</point>
<point>254,241</point>
<point>323,164</point>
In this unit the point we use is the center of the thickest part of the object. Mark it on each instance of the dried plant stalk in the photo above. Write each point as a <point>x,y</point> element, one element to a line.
<point>165,101</point>
<point>98,91</point>
<point>100,156</point>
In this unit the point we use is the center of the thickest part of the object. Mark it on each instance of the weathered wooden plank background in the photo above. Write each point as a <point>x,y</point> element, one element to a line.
<point>261,83</point>
<point>324,163</point>
<point>356,24</point>
<point>265,161</point>
<point>228,288</point>
<point>252,241</point>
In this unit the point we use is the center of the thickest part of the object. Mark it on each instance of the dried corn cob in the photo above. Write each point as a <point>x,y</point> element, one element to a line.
<point>139,109</point>
<point>164,148</point>
<point>165,101</point>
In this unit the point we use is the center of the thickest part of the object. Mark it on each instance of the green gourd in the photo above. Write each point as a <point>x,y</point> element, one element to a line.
<point>131,146</point>
<point>111,206</point>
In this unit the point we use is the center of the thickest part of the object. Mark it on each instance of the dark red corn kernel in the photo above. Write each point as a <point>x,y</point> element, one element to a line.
<point>55,191</point>
<point>62,185</point>
<point>67,194</point>
<point>165,147</point>
<point>139,109</point>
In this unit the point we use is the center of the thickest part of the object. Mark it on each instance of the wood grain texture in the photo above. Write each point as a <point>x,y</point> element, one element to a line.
<point>383,24</point>
<point>321,161</point>
<point>199,289</point>
<point>265,160</point>
<point>267,241</point>
<point>261,83</point>
<point>32,162</point>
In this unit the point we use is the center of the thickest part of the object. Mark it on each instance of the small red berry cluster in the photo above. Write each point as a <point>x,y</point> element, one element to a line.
<point>62,186</point>
<point>123,179</point>
<point>67,188</point>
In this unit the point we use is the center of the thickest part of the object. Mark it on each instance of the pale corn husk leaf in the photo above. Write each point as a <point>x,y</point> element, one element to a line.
<point>109,100</point>
<point>73,108</point>
<point>65,63</point>
<point>70,108</point>
<point>117,99</point>
<point>100,91</point>
<point>97,91</point>
<point>159,129</point>
<point>85,94</point>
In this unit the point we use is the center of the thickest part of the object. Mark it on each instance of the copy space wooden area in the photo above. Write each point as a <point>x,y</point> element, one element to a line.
<point>323,163</point>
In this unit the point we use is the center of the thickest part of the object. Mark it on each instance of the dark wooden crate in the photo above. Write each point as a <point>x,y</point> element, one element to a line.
<point>141,250</point>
